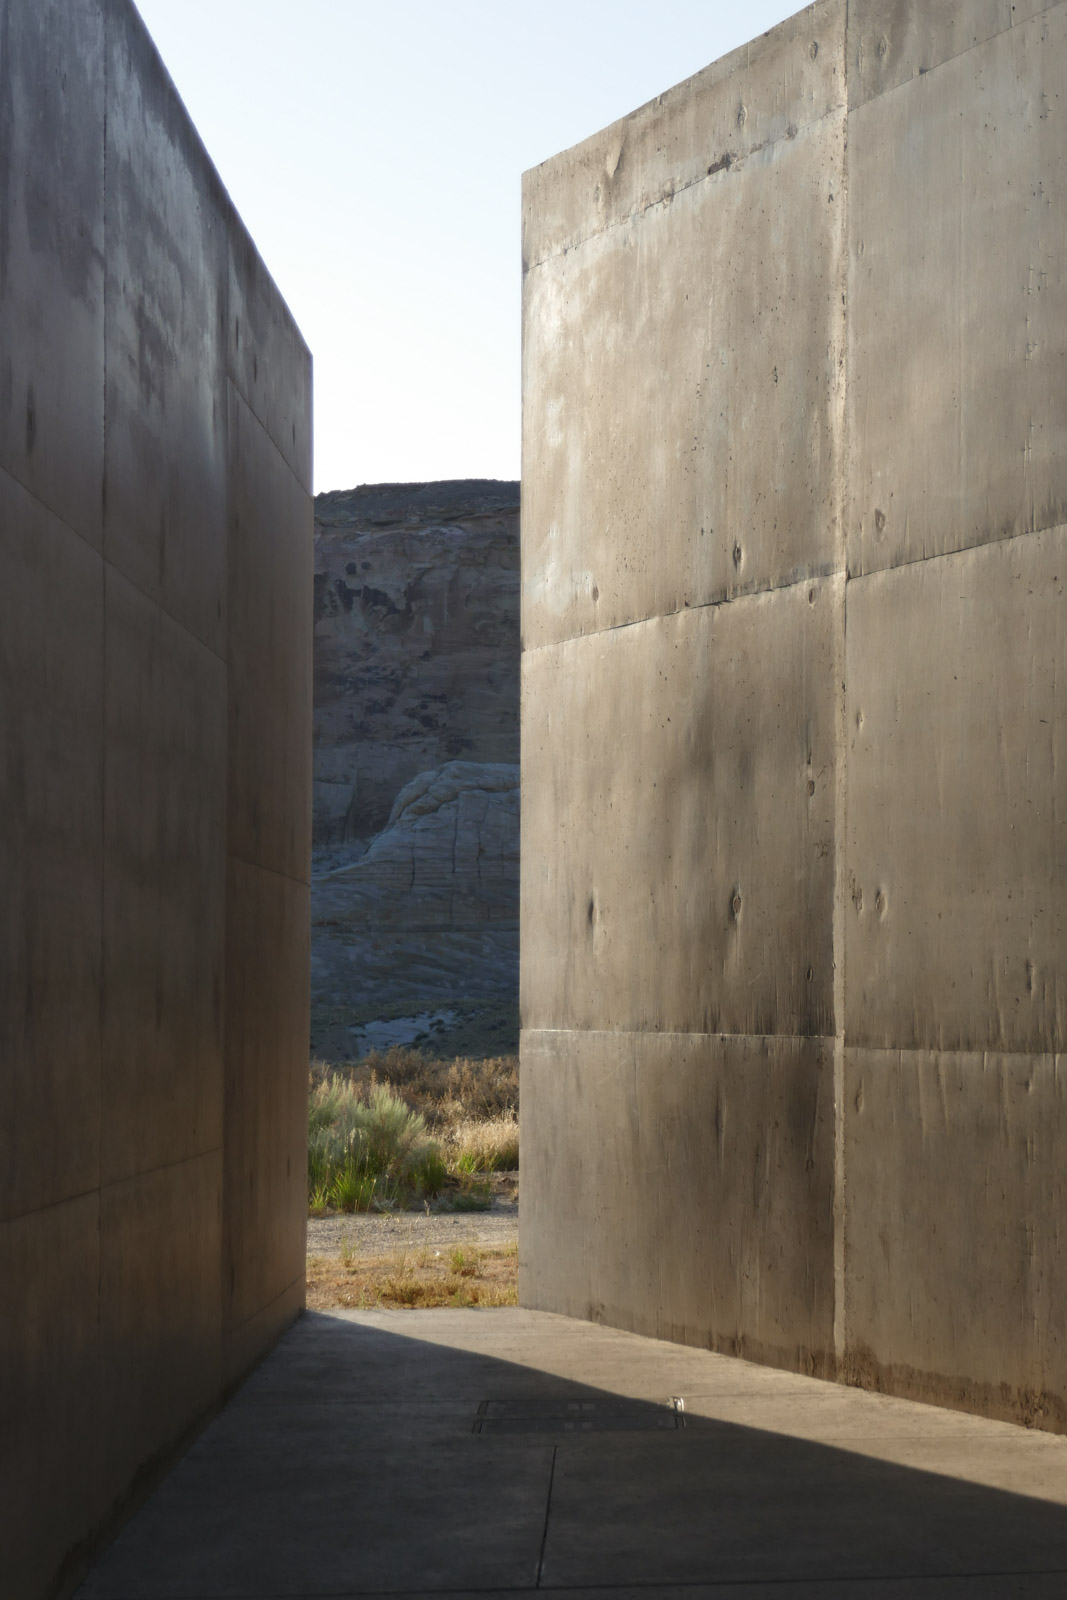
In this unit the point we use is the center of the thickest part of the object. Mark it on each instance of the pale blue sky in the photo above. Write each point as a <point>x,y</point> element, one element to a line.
<point>375,151</point>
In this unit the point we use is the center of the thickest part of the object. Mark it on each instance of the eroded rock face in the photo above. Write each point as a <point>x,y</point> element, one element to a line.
<point>416,824</point>
<point>416,642</point>
<point>436,891</point>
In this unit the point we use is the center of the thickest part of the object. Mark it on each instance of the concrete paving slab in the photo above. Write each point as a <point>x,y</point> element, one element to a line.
<point>349,1464</point>
<point>736,1504</point>
<point>335,1517</point>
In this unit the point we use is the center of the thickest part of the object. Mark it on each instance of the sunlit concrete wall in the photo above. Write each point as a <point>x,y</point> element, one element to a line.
<point>794,855</point>
<point>155,699</point>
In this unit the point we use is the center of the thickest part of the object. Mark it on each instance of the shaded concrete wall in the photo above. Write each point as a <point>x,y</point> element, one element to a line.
<point>794,865</point>
<point>155,698</point>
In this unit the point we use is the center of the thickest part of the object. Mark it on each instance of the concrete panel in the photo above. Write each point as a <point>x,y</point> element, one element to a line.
<point>116,757</point>
<point>165,524</point>
<point>267,1020</point>
<point>682,1186</point>
<point>957,842</point>
<point>270,618</point>
<point>51,639</point>
<point>49,1392</point>
<point>682,437</point>
<point>266,356</point>
<point>751,99</point>
<point>957,344</point>
<point>244,1344</point>
<point>732,823</point>
<point>52,256</point>
<point>892,41</point>
<point>160,1329</point>
<point>678,821</point>
<point>164,893</point>
<point>956,1266</point>
<point>51,801</point>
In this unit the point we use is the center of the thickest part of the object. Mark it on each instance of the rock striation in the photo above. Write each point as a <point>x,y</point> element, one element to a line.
<point>416,749</point>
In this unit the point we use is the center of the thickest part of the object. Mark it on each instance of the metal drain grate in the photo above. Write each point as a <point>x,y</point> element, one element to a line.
<point>578,1416</point>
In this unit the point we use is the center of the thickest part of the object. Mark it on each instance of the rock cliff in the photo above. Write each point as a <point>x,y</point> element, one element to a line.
<point>416,799</point>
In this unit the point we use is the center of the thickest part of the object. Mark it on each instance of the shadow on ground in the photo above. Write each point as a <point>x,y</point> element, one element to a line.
<point>483,1452</point>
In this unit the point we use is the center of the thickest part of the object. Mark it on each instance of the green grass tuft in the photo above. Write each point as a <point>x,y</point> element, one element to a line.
<point>366,1150</point>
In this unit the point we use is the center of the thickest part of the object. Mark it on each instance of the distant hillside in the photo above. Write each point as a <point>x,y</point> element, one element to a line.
<point>416,801</point>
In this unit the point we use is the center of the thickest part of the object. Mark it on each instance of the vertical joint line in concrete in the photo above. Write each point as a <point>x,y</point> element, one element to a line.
<point>841,742</point>
<point>102,997</point>
<point>548,1508</point>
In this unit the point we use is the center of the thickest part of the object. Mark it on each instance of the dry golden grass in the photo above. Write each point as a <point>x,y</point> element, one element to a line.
<point>454,1097</point>
<point>489,1146</point>
<point>460,1275</point>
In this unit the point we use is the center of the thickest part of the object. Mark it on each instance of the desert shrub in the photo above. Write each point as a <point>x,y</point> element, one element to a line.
<point>444,1093</point>
<point>326,1103</point>
<point>365,1149</point>
<point>396,1125</point>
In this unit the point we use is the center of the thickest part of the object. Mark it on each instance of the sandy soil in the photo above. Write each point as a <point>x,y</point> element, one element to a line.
<point>372,1235</point>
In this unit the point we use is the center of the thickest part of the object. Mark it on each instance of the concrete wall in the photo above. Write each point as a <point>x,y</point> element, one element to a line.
<point>794,868</point>
<point>155,689</point>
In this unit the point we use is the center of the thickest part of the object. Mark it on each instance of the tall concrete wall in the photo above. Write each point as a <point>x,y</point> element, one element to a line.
<point>155,699</point>
<point>794,865</point>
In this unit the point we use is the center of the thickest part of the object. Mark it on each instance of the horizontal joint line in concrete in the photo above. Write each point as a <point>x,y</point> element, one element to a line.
<point>48,511</point>
<point>161,1166</point>
<point>258,866</point>
<point>700,605</point>
<point>929,71</point>
<point>680,1033</point>
<point>234,1328</point>
<point>965,550</point>
<point>154,600</point>
<point>258,420</point>
<point>983,1050</point>
<point>668,196</point>
<point>53,1205</point>
<point>112,1183</point>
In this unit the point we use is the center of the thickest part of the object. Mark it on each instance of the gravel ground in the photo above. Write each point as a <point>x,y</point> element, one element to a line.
<point>369,1234</point>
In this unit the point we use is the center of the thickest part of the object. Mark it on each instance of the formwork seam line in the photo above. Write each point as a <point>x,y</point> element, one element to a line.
<point>1057,1052</point>
<point>235,1327</point>
<point>256,418</point>
<point>964,550</point>
<point>924,72</point>
<point>116,1183</point>
<point>101,1031</point>
<point>845,572</point>
<point>668,196</point>
<point>155,600</point>
<point>49,511</point>
<point>713,1033</point>
<point>274,872</point>
<point>699,605</point>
